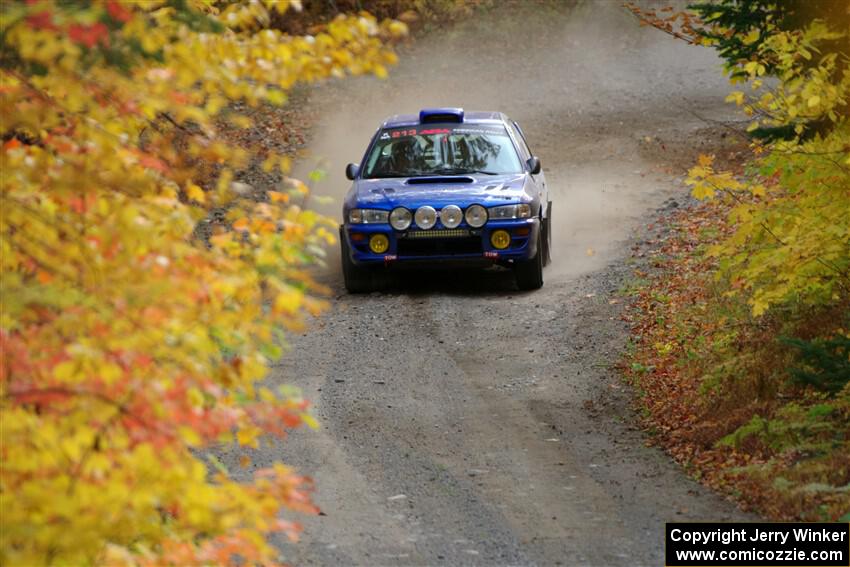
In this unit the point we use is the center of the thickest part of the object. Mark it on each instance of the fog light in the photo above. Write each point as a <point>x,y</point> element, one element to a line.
<point>379,243</point>
<point>500,239</point>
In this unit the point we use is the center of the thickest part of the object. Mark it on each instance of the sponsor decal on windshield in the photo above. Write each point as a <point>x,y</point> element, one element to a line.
<point>409,131</point>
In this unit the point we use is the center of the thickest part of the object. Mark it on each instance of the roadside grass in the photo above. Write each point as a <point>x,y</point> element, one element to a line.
<point>757,408</point>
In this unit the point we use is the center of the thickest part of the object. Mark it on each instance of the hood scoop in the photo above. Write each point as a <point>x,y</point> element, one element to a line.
<point>438,179</point>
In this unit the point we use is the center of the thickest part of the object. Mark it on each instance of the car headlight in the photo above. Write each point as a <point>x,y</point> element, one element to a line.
<point>400,218</point>
<point>451,216</point>
<point>476,216</point>
<point>426,217</point>
<point>522,211</point>
<point>367,216</point>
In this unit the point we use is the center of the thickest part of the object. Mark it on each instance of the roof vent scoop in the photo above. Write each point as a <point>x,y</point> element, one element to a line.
<point>429,115</point>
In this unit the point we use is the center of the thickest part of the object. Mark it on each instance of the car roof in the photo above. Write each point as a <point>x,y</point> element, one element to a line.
<point>469,117</point>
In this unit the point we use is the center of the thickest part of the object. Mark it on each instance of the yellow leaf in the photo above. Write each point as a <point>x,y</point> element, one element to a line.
<point>249,436</point>
<point>702,191</point>
<point>196,193</point>
<point>759,307</point>
<point>276,97</point>
<point>398,29</point>
<point>110,372</point>
<point>735,96</point>
<point>752,37</point>
<point>310,421</point>
<point>813,101</point>
<point>189,436</point>
<point>285,164</point>
<point>288,302</point>
<point>64,371</point>
<point>196,397</point>
<point>242,121</point>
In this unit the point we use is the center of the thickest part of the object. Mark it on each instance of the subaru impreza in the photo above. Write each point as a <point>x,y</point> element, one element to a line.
<point>446,186</point>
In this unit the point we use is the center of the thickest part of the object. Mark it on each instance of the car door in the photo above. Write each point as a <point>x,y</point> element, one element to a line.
<point>525,153</point>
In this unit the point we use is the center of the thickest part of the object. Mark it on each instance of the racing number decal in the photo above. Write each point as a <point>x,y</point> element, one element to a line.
<point>400,133</point>
<point>423,132</point>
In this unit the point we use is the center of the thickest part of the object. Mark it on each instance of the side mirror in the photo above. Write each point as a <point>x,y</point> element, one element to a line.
<point>351,170</point>
<point>533,164</point>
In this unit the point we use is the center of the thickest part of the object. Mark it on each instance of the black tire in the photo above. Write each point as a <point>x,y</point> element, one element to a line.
<point>547,236</point>
<point>357,278</point>
<point>529,273</point>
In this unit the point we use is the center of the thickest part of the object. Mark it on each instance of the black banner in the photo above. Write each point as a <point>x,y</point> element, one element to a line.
<point>757,544</point>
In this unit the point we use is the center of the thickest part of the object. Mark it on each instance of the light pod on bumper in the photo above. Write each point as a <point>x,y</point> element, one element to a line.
<point>400,218</point>
<point>379,243</point>
<point>426,217</point>
<point>476,216</point>
<point>451,216</point>
<point>500,239</point>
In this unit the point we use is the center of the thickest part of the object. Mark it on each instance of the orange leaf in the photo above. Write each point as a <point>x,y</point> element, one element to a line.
<point>153,163</point>
<point>278,197</point>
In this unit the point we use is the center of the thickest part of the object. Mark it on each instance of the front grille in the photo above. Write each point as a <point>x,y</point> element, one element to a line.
<point>444,233</point>
<point>440,246</point>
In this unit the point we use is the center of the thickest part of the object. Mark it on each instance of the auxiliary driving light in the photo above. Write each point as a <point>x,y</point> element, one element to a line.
<point>451,216</point>
<point>476,216</point>
<point>379,243</point>
<point>426,217</point>
<point>400,218</point>
<point>500,239</point>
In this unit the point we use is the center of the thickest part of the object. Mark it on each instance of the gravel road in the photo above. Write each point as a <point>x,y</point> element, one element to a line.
<point>464,422</point>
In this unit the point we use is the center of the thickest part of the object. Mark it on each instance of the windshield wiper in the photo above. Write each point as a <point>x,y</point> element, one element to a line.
<point>457,171</point>
<point>388,175</point>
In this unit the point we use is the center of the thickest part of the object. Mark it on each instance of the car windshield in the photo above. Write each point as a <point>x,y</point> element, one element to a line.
<point>442,149</point>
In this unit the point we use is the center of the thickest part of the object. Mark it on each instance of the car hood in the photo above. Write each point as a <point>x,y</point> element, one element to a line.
<point>461,190</point>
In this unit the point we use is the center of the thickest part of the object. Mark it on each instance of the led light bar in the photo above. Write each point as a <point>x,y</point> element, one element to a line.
<point>453,233</point>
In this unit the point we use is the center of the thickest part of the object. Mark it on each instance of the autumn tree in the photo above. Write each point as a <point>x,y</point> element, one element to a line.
<point>775,330</point>
<point>144,288</point>
<point>793,237</point>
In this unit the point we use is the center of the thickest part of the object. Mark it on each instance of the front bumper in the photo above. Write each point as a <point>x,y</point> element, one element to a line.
<point>463,245</point>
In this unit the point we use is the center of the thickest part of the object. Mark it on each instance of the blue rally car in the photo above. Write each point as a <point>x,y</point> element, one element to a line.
<point>446,186</point>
